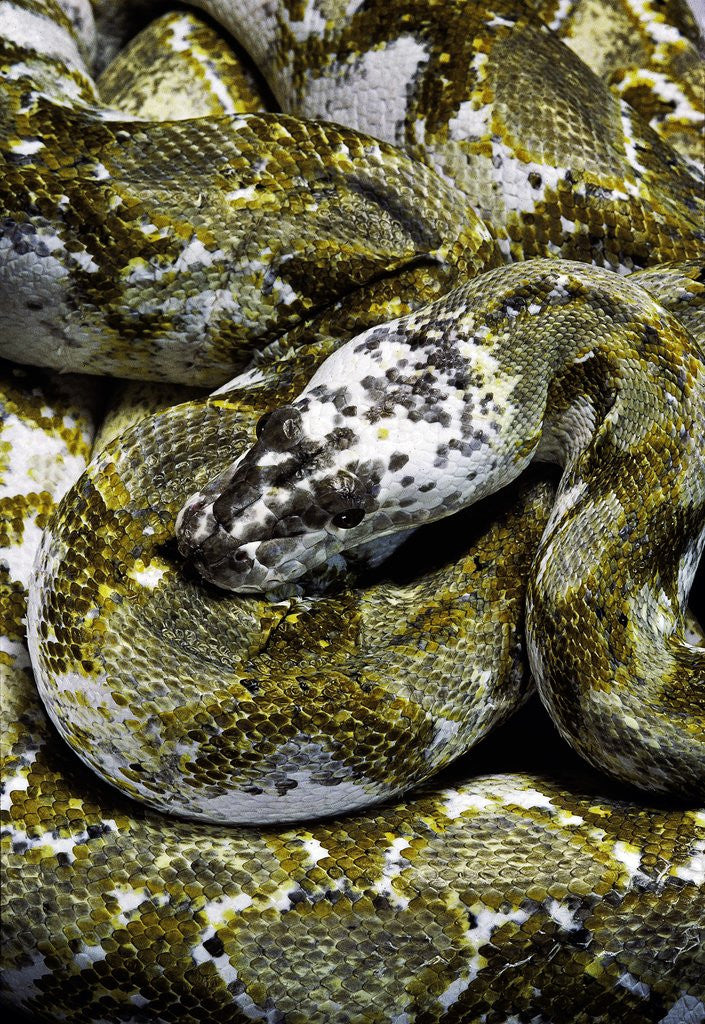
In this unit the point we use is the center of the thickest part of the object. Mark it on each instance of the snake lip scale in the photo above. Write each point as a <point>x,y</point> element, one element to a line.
<point>362,689</point>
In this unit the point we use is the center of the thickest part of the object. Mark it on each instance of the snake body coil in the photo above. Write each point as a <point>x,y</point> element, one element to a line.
<point>393,375</point>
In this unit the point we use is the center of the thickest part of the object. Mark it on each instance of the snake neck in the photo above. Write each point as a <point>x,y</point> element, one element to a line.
<point>607,596</point>
<point>612,388</point>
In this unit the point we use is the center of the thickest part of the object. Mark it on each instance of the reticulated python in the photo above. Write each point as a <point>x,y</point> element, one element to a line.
<point>523,885</point>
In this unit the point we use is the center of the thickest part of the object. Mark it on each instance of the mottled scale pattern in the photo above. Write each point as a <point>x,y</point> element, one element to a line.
<point>588,179</point>
<point>420,417</point>
<point>680,287</point>
<point>438,904</point>
<point>520,885</point>
<point>119,306</point>
<point>649,53</point>
<point>437,909</point>
<point>179,68</point>
<point>145,258</point>
<point>290,726</point>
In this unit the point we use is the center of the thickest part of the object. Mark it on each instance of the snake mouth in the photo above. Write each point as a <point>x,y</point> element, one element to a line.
<point>241,567</point>
<point>228,573</point>
<point>242,573</point>
<point>207,548</point>
<point>244,536</point>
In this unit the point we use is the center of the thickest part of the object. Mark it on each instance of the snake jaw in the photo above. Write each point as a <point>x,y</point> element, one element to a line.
<point>243,570</point>
<point>255,527</point>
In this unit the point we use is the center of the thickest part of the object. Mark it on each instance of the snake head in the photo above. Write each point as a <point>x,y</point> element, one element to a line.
<point>284,507</point>
<point>387,435</point>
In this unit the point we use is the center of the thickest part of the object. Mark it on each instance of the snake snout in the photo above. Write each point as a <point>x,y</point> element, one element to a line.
<point>194,524</point>
<point>216,556</point>
<point>235,546</point>
<point>246,568</point>
<point>238,495</point>
<point>232,572</point>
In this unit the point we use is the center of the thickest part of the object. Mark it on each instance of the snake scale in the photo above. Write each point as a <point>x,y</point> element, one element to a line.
<point>410,853</point>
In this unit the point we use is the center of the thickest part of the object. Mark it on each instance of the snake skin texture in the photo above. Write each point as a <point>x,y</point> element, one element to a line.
<point>519,884</point>
<point>649,54</point>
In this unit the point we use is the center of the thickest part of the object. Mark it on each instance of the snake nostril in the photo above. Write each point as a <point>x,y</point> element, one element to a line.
<point>240,561</point>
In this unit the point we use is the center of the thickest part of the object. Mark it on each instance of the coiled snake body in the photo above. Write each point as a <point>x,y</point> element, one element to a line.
<point>398,371</point>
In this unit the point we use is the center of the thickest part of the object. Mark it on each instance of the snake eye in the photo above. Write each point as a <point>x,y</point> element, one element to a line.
<point>262,423</point>
<point>348,518</point>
